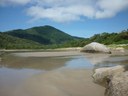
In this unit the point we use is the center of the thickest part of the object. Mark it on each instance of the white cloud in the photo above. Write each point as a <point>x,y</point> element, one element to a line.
<point>109,8</point>
<point>14,2</point>
<point>61,14</point>
<point>70,10</point>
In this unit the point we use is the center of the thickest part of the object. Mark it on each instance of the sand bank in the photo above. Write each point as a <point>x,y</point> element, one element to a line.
<point>48,54</point>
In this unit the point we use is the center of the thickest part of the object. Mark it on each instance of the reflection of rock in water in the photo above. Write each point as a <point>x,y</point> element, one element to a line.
<point>106,60</point>
<point>97,58</point>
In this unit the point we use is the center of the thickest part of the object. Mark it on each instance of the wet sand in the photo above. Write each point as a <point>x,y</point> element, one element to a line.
<point>68,53</point>
<point>63,83</point>
<point>54,82</point>
<point>67,82</point>
<point>48,54</point>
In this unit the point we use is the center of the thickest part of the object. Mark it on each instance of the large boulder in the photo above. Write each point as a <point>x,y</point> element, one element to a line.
<point>118,85</point>
<point>101,75</point>
<point>114,79</point>
<point>95,47</point>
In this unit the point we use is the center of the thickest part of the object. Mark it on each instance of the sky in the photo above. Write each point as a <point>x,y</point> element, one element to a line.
<point>82,18</point>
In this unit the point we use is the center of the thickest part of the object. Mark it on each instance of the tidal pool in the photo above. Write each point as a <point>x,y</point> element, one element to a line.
<point>52,76</point>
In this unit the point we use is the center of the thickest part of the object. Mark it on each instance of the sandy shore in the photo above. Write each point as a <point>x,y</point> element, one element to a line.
<point>69,82</point>
<point>60,52</point>
<point>63,83</point>
<point>57,83</point>
<point>48,54</point>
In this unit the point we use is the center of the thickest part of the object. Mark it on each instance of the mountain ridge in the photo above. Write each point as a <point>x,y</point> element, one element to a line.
<point>44,35</point>
<point>48,37</point>
<point>41,37</point>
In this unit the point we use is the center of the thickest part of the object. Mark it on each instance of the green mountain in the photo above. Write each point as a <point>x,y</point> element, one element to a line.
<point>49,37</point>
<point>34,38</point>
<point>44,35</point>
<point>11,42</point>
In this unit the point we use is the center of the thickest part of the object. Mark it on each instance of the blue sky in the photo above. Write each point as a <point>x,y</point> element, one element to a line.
<point>82,18</point>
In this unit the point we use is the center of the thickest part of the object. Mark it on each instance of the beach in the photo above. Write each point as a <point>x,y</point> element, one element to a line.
<point>62,73</point>
<point>64,83</point>
<point>48,74</point>
<point>48,54</point>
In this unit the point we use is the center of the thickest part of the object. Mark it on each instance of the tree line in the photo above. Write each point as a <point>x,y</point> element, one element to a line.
<point>11,42</point>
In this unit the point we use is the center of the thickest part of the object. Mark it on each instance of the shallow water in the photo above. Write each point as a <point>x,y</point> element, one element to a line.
<point>53,76</point>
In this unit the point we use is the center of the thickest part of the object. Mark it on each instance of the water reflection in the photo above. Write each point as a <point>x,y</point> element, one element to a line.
<point>33,63</point>
<point>106,60</point>
<point>97,58</point>
<point>79,63</point>
<point>55,76</point>
<point>45,63</point>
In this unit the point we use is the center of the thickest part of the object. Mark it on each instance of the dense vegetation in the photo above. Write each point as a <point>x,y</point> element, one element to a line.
<point>112,38</point>
<point>50,37</point>
<point>10,42</point>
<point>104,38</point>
<point>44,35</point>
<point>34,38</point>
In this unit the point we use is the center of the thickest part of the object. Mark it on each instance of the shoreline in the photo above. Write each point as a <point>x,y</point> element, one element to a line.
<point>58,52</point>
<point>48,54</point>
<point>59,82</point>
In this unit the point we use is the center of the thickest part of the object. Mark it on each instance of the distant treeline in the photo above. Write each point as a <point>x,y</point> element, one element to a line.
<point>104,38</point>
<point>36,38</point>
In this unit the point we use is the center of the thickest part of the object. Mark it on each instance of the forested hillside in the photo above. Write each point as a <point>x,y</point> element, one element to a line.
<point>35,38</point>
<point>104,38</point>
<point>10,42</point>
<point>44,35</point>
<point>111,38</point>
<point>49,37</point>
